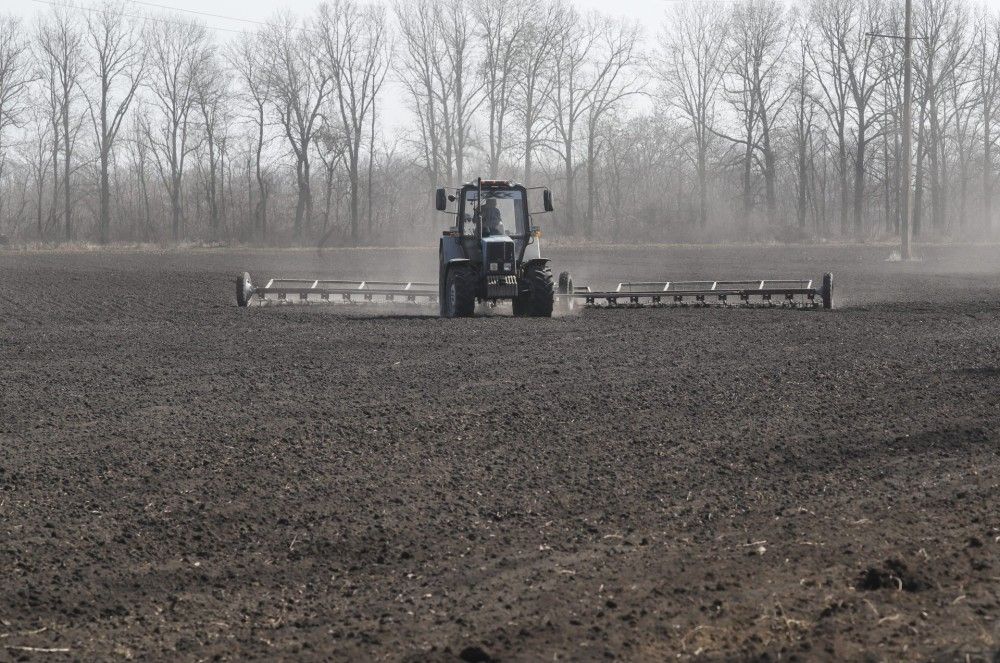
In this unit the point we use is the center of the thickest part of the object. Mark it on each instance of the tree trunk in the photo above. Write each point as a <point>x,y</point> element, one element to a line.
<point>748,183</point>
<point>371,175</point>
<point>175,206</point>
<point>859,182</point>
<point>934,151</point>
<point>300,201</point>
<point>800,207</point>
<point>844,188</point>
<point>770,195</point>
<point>66,172</point>
<point>54,212</point>
<point>897,180</point>
<point>327,198</point>
<point>702,185</point>
<point>591,184</point>
<point>354,194</point>
<point>261,210</point>
<point>987,168</point>
<point>213,203</point>
<point>104,220</point>
<point>104,224</point>
<point>570,200</point>
<point>918,181</point>
<point>527,167</point>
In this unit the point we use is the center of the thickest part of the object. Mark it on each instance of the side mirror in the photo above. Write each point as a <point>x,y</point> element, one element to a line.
<point>441,200</point>
<point>547,200</point>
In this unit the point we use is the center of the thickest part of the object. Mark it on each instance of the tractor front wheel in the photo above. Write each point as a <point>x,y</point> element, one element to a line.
<point>538,301</point>
<point>460,292</point>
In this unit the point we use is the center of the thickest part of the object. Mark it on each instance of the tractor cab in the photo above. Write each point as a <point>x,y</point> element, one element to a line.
<point>500,211</point>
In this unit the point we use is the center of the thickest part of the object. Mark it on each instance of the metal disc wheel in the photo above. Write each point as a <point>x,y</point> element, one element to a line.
<point>566,303</point>
<point>244,289</point>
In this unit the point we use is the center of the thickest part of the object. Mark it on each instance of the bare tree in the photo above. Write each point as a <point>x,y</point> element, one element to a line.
<point>612,80</point>
<point>211,95</point>
<point>804,122</point>
<point>354,43</point>
<point>832,20</point>
<point>535,62</point>
<point>939,54</point>
<point>140,158</point>
<point>439,73</point>
<point>15,78</point>
<point>865,71</point>
<point>963,104</point>
<point>300,84</point>
<point>758,90</point>
<point>987,58</point>
<point>501,26</point>
<point>37,155</point>
<point>332,142</point>
<point>61,42</point>
<point>15,75</point>
<point>570,96</point>
<point>248,61</point>
<point>458,87</point>
<point>417,69</point>
<point>178,51</point>
<point>690,69</point>
<point>115,67</point>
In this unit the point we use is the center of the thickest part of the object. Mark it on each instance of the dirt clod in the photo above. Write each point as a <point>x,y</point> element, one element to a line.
<point>891,574</point>
<point>475,654</point>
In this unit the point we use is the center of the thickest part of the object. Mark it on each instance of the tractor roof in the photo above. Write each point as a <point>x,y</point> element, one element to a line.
<point>489,184</point>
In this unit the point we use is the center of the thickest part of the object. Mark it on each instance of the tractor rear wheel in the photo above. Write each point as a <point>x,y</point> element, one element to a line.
<point>460,292</point>
<point>540,297</point>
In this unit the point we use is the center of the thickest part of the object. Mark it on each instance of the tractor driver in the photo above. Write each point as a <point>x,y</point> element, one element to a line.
<point>492,221</point>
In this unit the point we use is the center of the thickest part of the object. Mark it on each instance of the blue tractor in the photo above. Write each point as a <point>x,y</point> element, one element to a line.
<point>492,253</point>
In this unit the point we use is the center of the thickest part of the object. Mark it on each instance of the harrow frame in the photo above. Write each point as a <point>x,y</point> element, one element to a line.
<point>335,290</point>
<point>639,294</point>
<point>628,294</point>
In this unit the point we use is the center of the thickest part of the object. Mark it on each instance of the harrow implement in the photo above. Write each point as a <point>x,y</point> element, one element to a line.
<point>328,290</point>
<point>801,293</point>
<point>764,292</point>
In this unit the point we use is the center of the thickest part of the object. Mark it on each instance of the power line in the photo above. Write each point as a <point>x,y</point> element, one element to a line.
<point>200,13</point>
<point>264,24</point>
<point>133,16</point>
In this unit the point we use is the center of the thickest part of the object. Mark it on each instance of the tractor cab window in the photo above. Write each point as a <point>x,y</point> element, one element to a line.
<point>502,212</point>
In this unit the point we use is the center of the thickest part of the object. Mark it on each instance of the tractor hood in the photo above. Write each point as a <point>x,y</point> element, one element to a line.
<point>503,239</point>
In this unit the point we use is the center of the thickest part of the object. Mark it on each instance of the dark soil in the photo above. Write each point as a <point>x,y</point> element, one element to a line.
<point>184,479</point>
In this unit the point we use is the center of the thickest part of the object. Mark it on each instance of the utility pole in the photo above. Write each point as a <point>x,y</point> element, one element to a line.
<point>904,229</point>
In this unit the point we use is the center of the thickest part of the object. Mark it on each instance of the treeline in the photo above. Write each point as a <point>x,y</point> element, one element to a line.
<point>738,120</point>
